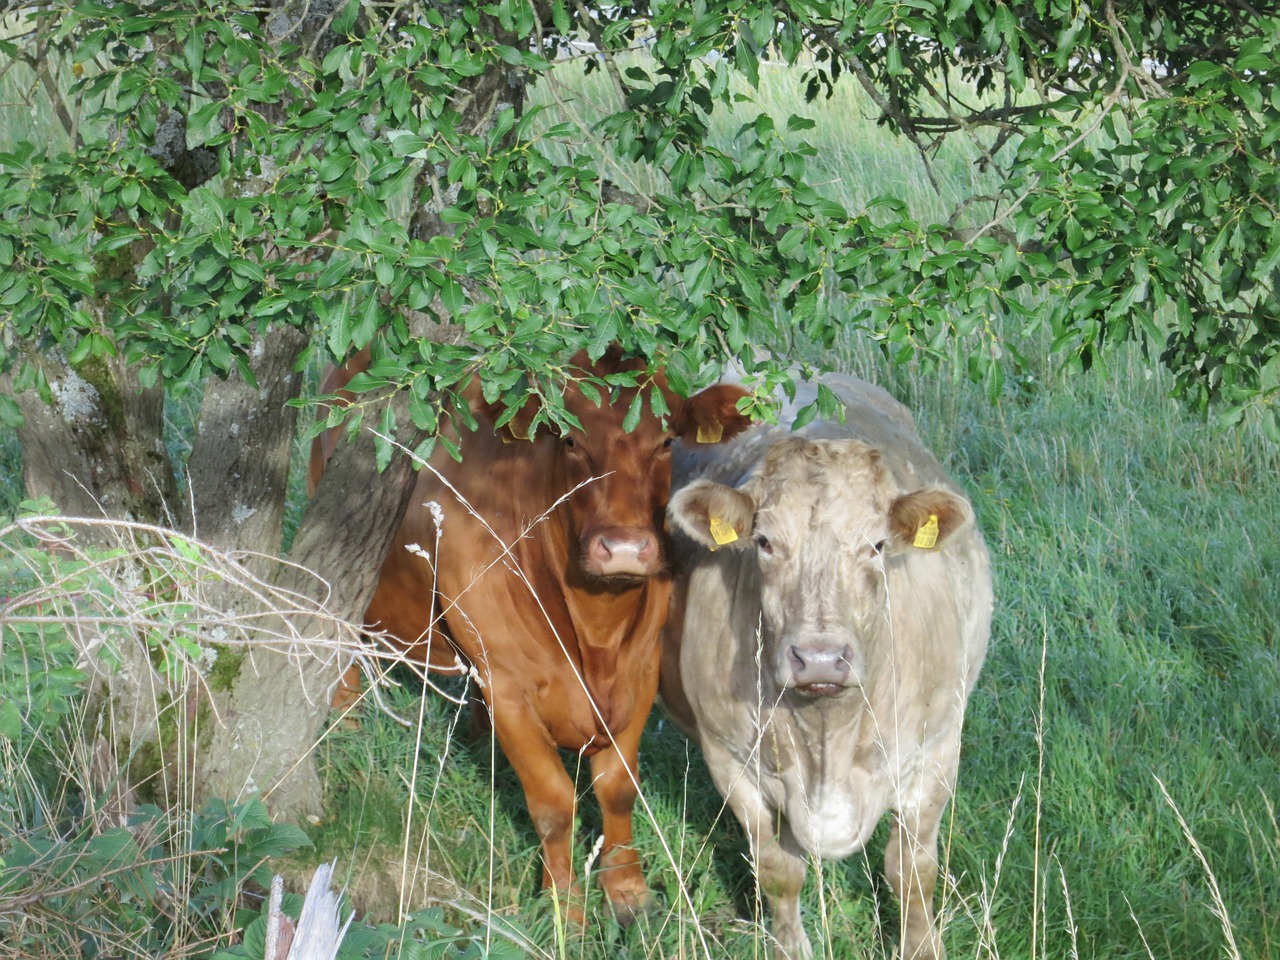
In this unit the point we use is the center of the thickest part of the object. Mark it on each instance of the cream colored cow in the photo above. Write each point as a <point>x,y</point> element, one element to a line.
<point>830,618</point>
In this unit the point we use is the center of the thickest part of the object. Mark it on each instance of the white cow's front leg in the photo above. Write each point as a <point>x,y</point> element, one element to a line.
<point>911,867</point>
<point>780,872</point>
<point>781,876</point>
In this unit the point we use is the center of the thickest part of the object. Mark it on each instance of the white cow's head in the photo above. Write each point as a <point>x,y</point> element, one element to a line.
<point>826,523</point>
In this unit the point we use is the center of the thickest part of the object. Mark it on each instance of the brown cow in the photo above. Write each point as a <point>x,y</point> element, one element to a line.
<point>828,625</point>
<point>550,572</point>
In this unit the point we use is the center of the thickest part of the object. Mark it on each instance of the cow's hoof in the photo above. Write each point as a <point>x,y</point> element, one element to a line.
<point>570,910</point>
<point>628,909</point>
<point>348,718</point>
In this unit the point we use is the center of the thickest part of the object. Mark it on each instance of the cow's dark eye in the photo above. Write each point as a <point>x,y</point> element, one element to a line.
<point>569,443</point>
<point>878,549</point>
<point>666,444</point>
<point>763,544</point>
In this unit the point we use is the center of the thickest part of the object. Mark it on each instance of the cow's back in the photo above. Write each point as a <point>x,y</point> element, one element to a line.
<point>871,415</point>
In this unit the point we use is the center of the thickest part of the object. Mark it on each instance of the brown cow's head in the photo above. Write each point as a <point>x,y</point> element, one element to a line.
<point>825,522</point>
<point>619,482</point>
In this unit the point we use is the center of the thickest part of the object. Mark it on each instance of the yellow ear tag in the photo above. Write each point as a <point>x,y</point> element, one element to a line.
<point>509,435</point>
<point>927,535</point>
<point>722,531</point>
<point>711,433</point>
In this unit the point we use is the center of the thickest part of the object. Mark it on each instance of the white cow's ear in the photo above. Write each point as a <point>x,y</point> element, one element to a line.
<point>923,520</point>
<point>714,515</point>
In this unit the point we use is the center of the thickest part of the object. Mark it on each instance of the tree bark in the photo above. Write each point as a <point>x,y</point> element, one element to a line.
<point>239,466</point>
<point>274,715</point>
<point>97,449</point>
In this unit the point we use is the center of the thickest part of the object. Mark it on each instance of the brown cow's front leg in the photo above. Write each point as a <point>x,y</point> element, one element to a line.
<point>615,774</point>
<point>348,693</point>
<point>549,796</point>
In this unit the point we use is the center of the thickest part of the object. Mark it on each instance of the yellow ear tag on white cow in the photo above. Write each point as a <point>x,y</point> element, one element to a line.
<point>711,433</point>
<point>722,531</point>
<point>927,535</point>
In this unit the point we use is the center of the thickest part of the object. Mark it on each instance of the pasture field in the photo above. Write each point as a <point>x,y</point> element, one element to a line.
<point>1121,764</point>
<point>1120,769</point>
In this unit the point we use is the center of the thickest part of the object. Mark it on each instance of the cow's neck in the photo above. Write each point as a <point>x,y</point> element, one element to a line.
<point>615,624</point>
<point>821,761</point>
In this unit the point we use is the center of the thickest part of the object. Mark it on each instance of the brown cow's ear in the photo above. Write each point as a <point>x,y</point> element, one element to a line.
<point>923,520</point>
<point>711,416</point>
<point>517,428</point>
<point>714,515</point>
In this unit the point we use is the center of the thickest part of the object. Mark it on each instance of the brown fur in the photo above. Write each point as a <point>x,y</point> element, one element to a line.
<point>522,589</point>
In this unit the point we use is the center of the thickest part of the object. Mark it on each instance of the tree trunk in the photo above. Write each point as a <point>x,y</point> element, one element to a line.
<point>97,449</point>
<point>273,716</point>
<point>97,452</point>
<point>239,467</point>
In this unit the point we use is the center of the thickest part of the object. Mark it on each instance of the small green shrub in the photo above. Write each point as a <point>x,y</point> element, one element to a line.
<point>162,883</point>
<point>85,869</point>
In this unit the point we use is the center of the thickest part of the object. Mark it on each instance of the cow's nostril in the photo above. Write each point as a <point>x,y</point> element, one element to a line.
<point>819,665</point>
<point>624,552</point>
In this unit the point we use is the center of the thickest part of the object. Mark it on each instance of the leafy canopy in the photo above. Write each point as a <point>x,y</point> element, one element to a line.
<point>377,175</point>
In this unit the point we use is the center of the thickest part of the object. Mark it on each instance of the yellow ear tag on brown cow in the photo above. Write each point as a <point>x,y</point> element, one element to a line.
<point>722,531</point>
<point>927,535</point>
<point>711,433</point>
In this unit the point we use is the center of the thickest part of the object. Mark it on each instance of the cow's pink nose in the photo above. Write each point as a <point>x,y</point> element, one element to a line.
<point>820,671</point>
<point>618,554</point>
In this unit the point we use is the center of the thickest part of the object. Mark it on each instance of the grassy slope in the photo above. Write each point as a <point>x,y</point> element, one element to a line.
<point>1136,558</point>
<point>1135,555</point>
<point>1135,552</point>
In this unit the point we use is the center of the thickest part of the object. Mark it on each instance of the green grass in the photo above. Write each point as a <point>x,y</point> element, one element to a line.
<point>1135,555</point>
<point>1135,551</point>
<point>1134,645</point>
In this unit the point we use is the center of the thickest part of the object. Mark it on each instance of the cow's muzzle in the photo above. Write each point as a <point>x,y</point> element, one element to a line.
<point>820,671</point>
<point>622,553</point>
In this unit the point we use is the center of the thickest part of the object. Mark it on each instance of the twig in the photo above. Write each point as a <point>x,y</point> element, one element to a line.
<point>592,26</point>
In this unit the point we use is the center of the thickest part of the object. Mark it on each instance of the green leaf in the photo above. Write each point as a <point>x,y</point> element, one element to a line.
<point>1271,425</point>
<point>249,270</point>
<point>805,415</point>
<point>10,413</point>
<point>383,444</point>
<point>560,17</point>
<point>1202,71</point>
<point>10,720</point>
<point>634,411</point>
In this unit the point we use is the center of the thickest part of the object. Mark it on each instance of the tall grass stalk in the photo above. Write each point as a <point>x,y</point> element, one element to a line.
<point>1219,907</point>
